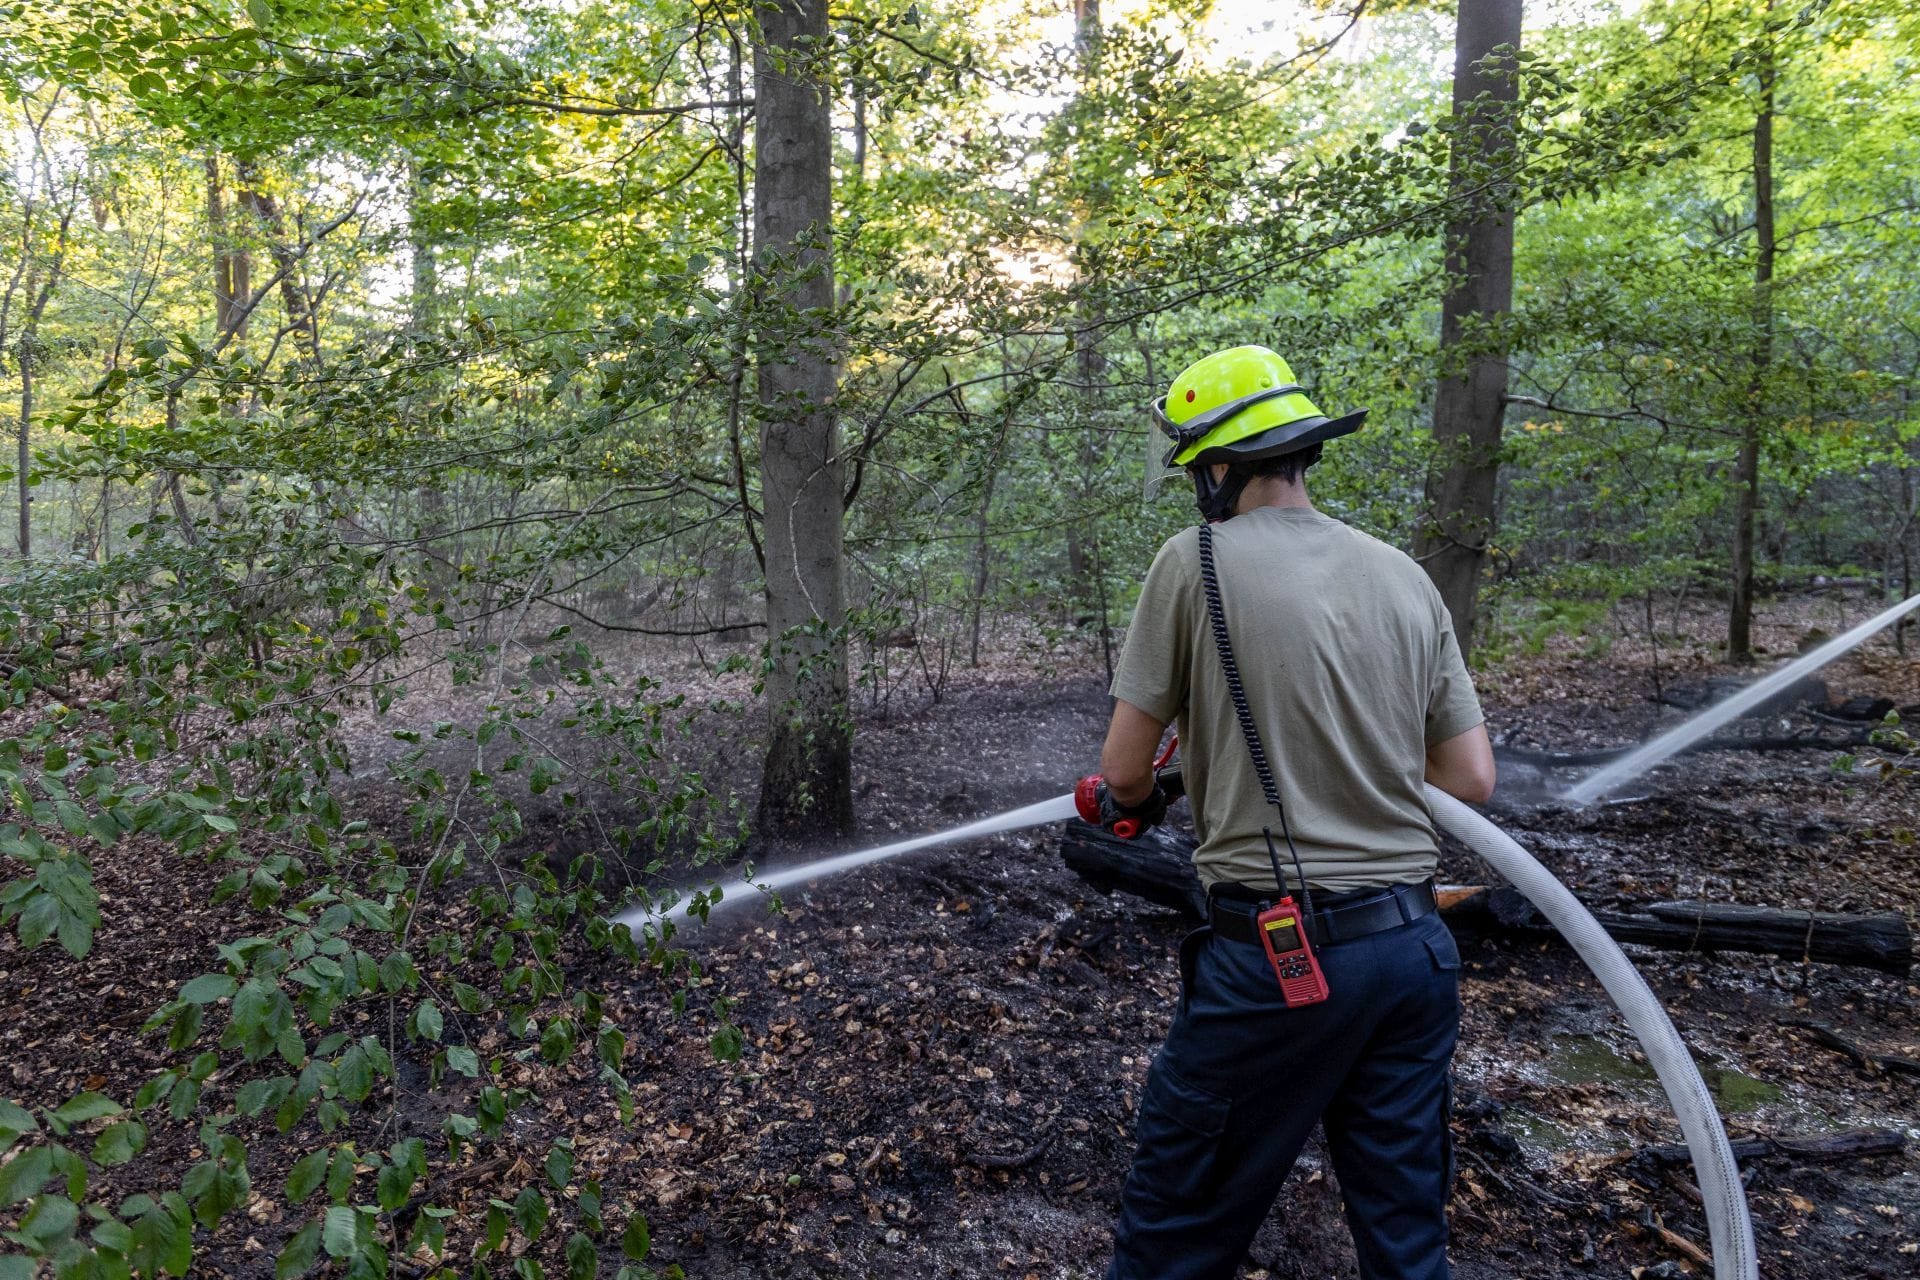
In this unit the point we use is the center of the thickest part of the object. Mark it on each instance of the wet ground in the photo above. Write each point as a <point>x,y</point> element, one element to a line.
<point>942,1054</point>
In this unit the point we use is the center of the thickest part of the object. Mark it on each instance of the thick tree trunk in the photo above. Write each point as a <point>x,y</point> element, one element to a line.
<point>1469,404</point>
<point>1747,468</point>
<point>806,788</point>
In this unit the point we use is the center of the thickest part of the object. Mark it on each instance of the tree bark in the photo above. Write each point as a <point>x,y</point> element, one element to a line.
<point>1469,406</point>
<point>1747,467</point>
<point>806,787</point>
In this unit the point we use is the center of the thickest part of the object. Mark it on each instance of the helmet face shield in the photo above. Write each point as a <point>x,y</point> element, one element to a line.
<point>1156,464</point>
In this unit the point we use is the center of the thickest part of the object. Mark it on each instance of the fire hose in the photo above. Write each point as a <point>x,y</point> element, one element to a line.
<point>1728,1225</point>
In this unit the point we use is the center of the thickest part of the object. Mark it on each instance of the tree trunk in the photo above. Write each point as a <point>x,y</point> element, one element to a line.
<point>302,315</point>
<point>1469,404</point>
<point>426,276</point>
<point>1089,361</point>
<point>232,272</point>
<point>23,475</point>
<point>1747,468</point>
<point>806,788</point>
<point>38,296</point>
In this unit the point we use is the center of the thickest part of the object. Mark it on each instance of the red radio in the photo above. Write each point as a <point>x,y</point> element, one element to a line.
<point>1283,933</point>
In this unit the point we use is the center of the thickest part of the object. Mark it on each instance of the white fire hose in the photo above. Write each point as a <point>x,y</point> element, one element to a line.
<point>1728,1224</point>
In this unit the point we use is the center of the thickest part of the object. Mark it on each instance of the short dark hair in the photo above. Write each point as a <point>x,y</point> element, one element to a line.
<point>1288,466</point>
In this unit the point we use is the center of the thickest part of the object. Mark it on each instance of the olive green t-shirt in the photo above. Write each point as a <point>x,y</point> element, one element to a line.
<point>1352,670</point>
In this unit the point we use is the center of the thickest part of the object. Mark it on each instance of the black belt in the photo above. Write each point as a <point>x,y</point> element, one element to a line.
<point>1231,909</point>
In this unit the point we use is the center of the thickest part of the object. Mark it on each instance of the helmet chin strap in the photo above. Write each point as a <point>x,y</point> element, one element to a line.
<point>1216,501</point>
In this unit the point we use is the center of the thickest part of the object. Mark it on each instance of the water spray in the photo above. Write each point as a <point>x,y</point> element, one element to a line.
<point>1694,728</point>
<point>741,889</point>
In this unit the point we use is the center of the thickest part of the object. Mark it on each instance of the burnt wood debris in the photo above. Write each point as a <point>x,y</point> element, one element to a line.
<point>1158,866</point>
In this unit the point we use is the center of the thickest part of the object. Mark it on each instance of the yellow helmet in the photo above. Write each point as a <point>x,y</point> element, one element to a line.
<point>1240,405</point>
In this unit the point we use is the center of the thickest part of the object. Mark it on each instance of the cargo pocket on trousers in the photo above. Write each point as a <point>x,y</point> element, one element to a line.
<point>1190,947</point>
<point>1444,950</point>
<point>1179,1131</point>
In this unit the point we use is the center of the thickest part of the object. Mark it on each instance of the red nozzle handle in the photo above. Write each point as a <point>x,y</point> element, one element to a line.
<point>1173,745</point>
<point>1086,800</point>
<point>1086,795</point>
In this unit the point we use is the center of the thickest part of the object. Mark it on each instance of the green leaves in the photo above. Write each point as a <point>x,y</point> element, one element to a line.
<point>530,1211</point>
<point>24,1175</point>
<point>15,1122</point>
<point>300,1253</point>
<point>583,1260</point>
<point>341,1231</point>
<point>163,1239</point>
<point>119,1143</point>
<point>636,1241</point>
<point>308,1172</point>
<point>58,901</point>
<point>79,1109</point>
<point>427,1021</point>
<point>49,1221</point>
<point>207,988</point>
<point>727,1044</point>
<point>559,1166</point>
<point>261,1016</point>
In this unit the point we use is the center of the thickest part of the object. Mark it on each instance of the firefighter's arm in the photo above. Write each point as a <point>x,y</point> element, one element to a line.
<point>1462,766</point>
<point>1126,762</point>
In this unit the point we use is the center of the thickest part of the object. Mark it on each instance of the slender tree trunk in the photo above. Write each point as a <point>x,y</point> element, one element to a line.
<point>806,788</point>
<point>302,315</point>
<point>217,236</point>
<point>25,448</point>
<point>38,296</point>
<point>1469,406</point>
<point>426,276</point>
<point>1747,467</point>
<point>232,271</point>
<point>983,549</point>
<point>740,277</point>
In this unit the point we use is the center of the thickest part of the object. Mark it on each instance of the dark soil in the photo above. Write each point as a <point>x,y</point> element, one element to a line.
<point>943,1053</point>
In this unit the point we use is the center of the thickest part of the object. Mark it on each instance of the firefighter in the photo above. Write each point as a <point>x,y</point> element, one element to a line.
<point>1356,687</point>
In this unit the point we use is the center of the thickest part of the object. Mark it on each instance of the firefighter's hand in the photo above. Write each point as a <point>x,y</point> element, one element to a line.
<point>1129,820</point>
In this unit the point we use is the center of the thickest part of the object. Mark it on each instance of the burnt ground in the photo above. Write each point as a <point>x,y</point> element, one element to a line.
<point>943,1053</point>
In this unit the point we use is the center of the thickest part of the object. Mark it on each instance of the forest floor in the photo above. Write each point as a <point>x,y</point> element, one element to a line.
<point>943,1054</point>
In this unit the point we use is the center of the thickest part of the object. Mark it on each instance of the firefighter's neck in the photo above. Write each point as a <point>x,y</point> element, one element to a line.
<point>1267,491</point>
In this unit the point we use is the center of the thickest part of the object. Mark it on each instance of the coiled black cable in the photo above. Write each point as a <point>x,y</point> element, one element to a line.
<point>1217,616</point>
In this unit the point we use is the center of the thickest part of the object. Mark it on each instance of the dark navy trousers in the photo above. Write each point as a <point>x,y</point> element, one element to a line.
<point>1241,1080</point>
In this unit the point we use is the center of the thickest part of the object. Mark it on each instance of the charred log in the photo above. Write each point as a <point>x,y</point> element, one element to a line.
<point>1823,1148</point>
<point>1159,867</point>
